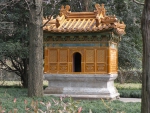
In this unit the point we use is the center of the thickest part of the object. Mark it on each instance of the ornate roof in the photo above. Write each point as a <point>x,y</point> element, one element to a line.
<point>80,22</point>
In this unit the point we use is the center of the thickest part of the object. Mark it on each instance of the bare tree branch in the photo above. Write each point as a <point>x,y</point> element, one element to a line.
<point>138,2</point>
<point>15,65</point>
<point>51,15</point>
<point>48,20</point>
<point>8,68</point>
<point>27,5</point>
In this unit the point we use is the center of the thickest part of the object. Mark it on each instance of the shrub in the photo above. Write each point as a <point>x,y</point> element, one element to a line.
<point>137,86</point>
<point>134,76</point>
<point>130,93</point>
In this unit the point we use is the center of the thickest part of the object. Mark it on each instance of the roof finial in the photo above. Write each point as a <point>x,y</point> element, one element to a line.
<point>64,10</point>
<point>100,9</point>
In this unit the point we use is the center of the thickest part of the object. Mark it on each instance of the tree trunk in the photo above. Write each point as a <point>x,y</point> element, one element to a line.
<point>146,58</point>
<point>24,73</point>
<point>85,5</point>
<point>24,80</point>
<point>35,79</point>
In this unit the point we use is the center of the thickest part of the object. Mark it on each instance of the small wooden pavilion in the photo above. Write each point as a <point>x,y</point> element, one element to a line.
<point>81,53</point>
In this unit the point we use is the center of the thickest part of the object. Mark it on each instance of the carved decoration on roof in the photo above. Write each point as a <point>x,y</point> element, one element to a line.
<point>64,10</point>
<point>100,11</point>
<point>77,22</point>
<point>109,19</point>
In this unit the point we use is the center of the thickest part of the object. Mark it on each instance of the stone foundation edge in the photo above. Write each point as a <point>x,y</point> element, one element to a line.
<point>115,96</point>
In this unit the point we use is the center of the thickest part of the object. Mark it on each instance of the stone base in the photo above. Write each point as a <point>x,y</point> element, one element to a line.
<point>82,85</point>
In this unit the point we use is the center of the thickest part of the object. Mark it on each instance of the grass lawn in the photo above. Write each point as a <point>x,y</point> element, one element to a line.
<point>16,83</point>
<point>11,98</point>
<point>137,86</point>
<point>129,90</point>
<point>15,99</point>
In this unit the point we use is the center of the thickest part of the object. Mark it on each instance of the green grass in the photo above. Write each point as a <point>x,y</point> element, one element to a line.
<point>12,90</point>
<point>16,83</point>
<point>126,86</point>
<point>7,96</point>
<point>98,106</point>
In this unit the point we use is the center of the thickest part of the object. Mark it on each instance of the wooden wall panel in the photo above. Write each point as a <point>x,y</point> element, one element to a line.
<point>53,60</point>
<point>63,55</point>
<point>113,60</point>
<point>101,67</point>
<point>53,55</point>
<point>89,67</point>
<point>101,60</point>
<point>101,55</point>
<point>63,60</point>
<point>53,67</point>
<point>90,60</point>
<point>90,55</point>
<point>63,67</point>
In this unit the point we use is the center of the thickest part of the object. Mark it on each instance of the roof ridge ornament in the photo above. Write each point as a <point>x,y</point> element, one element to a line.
<point>64,10</point>
<point>76,22</point>
<point>100,9</point>
<point>100,13</point>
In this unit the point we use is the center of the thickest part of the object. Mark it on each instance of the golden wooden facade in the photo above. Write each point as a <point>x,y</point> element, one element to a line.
<point>93,60</point>
<point>82,42</point>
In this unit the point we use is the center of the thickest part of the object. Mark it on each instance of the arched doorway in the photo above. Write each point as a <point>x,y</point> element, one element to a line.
<point>77,62</point>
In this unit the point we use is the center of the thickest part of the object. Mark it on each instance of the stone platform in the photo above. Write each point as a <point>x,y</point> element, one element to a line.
<point>82,85</point>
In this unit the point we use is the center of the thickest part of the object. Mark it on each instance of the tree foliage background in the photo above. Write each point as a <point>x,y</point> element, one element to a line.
<point>14,42</point>
<point>14,38</point>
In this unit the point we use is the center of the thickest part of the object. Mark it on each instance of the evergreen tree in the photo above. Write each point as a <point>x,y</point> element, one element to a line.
<point>14,39</point>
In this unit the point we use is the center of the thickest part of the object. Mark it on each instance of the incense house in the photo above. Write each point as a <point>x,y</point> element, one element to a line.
<point>81,53</point>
